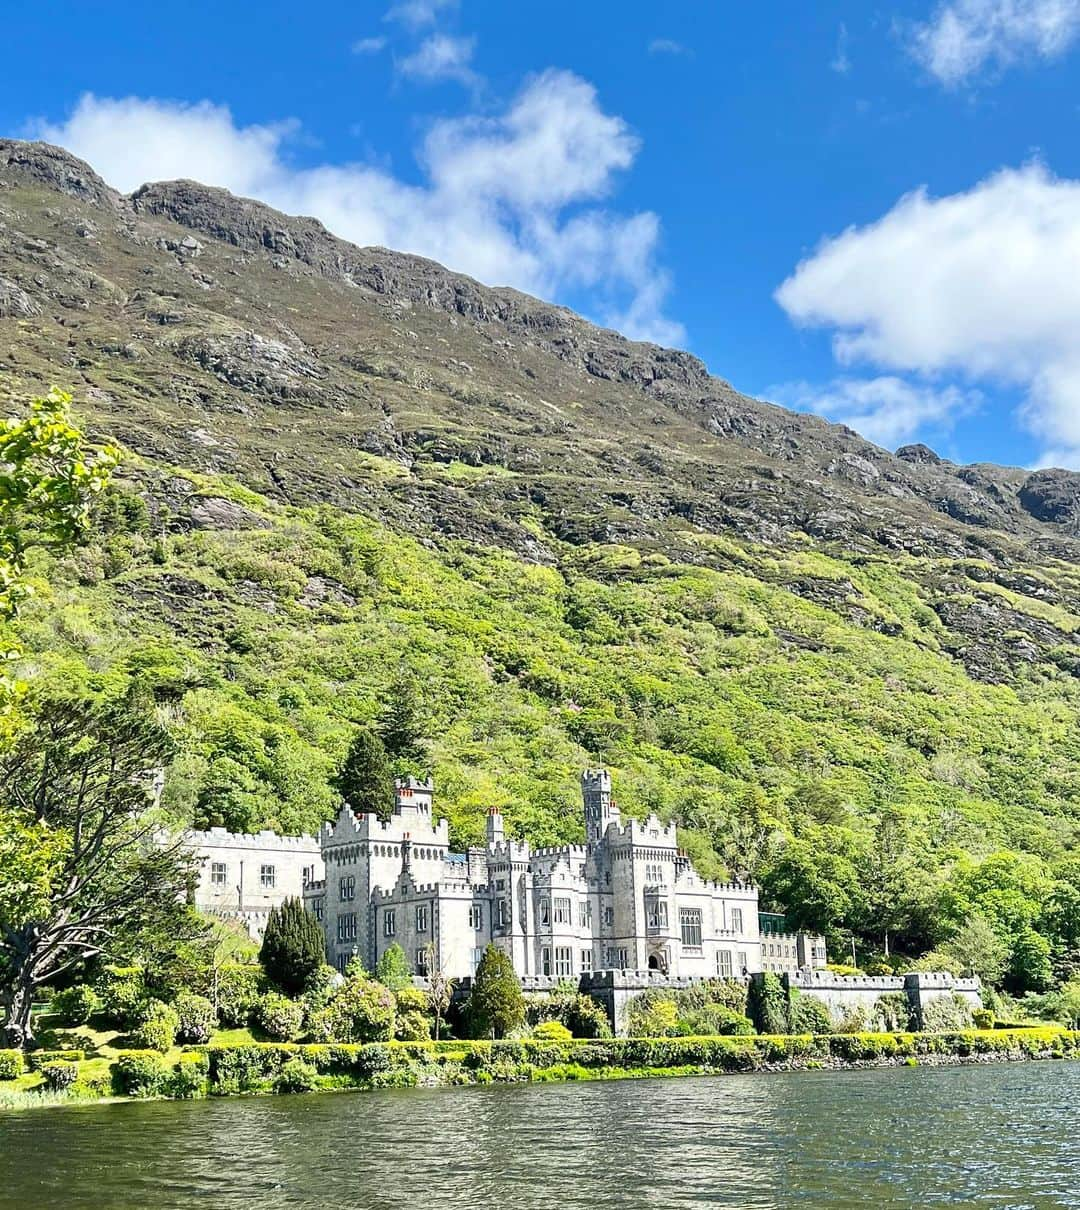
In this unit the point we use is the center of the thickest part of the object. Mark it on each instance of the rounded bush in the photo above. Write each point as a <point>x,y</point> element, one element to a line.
<point>983,1018</point>
<point>123,995</point>
<point>157,1030</point>
<point>238,988</point>
<point>552,1031</point>
<point>190,1077</point>
<point>59,1077</point>
<point>296,1076</point>
<point>138,1074</point>
<point>360,1011</point>
<point>196,1018</point>
<point>279,1017</point>
<point>11,1064</point>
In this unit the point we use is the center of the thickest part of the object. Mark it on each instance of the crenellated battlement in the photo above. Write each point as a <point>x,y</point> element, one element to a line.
<point>267,840</point>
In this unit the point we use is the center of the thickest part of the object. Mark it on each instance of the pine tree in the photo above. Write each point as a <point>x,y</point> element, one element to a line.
<point>496,1006</point>
<point>393,970</point>
<point>365,780</point>
<point>401,727</point>
<point>293,947</point>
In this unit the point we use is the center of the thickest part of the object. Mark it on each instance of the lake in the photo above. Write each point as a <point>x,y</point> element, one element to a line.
<point>995,1135</point>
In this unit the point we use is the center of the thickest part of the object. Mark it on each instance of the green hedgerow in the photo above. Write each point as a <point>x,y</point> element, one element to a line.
<point>190,1078</point>
<point>59,1077</point>
<point>138,1073</point>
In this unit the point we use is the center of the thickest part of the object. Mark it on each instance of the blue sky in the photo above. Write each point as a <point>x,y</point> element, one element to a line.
<point>871,210</point>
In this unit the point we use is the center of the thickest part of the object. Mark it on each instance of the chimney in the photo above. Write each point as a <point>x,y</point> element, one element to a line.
<point>495,834</point>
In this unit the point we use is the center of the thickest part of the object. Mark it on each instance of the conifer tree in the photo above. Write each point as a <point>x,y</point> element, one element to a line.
<point>293,947</point>
<point>365,781</point>
<point>401,727</point>
<point>496,1006</point>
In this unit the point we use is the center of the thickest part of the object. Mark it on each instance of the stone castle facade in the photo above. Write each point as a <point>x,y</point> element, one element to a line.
<point>627,899</point>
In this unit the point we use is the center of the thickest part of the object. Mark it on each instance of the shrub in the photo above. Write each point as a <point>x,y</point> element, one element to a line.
<point>279,1017</point>
<point>810,1015</point>
<point>891,1012</point>
<point>767,1004</point>
<point>190,1077</point>
<point>716,1019</point>
<point>983,1018</point>
<point>496,1005</point>
<point>76,1005</point>
<point>552,1031</point>
<point>196,1018</point>
<point>293,947</point>
<point>296,1076</point>
<point>138,1073</point>
<point>11,1064</point>
<point>360,1011</point>
<point>157,1030</point>
<point>39,1058</point>
<point>239,986</point>
<point>393,970</point>
<point>59,1077</point>
<point>412,1023</point>
<point>123,995</point>
<point>584,1018</point>
<point>652,1014</point>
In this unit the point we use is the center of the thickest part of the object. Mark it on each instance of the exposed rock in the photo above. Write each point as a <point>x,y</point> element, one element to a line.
<point>214,512</point>
<point>1052,495</point>
<point>918,453</point>
<point>57,168</point>
<point>15,303</point>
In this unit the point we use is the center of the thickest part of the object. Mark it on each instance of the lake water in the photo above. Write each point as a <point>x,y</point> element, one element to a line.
<point>995,1136</point>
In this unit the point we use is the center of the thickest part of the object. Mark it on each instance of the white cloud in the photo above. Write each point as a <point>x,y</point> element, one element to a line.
<point>667,46</point>
<point>841,61</point>
<point>886,410</point>
<point>964,36</point>
<point>984,284</point>
<point>368,46</point>
<point>511,199</point>
<point>441,57</point>
<point>415,14</point>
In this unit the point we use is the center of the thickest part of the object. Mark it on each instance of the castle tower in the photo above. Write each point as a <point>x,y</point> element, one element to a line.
<point>495,833</point>
<point>599,809</point>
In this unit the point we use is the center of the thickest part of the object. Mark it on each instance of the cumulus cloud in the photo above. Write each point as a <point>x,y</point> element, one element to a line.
<point>441,57</point>
<point>514,199</point>
<point>415,14</point>
<point>965,36</point>
<point>841,61</point>
<point>886,410</point>
<point>667,46</point>
<point>984,284</point>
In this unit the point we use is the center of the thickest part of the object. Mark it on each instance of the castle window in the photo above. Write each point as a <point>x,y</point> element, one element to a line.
<point>562,911</point>
<point>421,962</point>
<point>564,960</point>
<point>690,925</point>
<point>736,920</point>
<point>503,914</point>
<point>346,926</point>
<point>422,918</point>
<point>341,962</point>
<point>657,916</point>
<point>476,916</point>
<point>318,907</point>
<point>624,959</point>
<point>586,960</point>
<point>308,874</point>
<point>500,885</point>
<point>267,877</point>
<point>723,963</point>
<point>609,916</point>
<point>743,968</point>
<point>545,961</point>
<point>584,912</point>
<point>219,872</point>
<point>347,888</point>
<point>389,922</point>
<point>477,955</point>
<point>545,912</point>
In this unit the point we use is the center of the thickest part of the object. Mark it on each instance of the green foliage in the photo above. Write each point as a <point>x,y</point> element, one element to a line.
<point>652,1014</point>
<point>278,1017</point>
<point>496,1006</point>
<point>239,986</point>
<point>157,1029</point>
<point>59,1077</point>
<point>892,1011</point>
<point>552,1031</point>
<point>393,969</point>
<point>76,1005</point>
<point>1030,969</point>
<point>365,780</point>
<point>946,1013</point>
<point>296,1076</point>
<point>411,1020</point>
<point>190,1077</point>
<point>714,1019</point>
<point>401,728</point>
<point>360,1011</point>
<point>196,1018</point>
<point>983,1018</point>
<point>767,1004</point>
<point>11,1064</point>
<point>138,1073</point>
<point>978,948</point>
<point>293,947</point>
<point>1062,1005</point>
<point>809,1014</point>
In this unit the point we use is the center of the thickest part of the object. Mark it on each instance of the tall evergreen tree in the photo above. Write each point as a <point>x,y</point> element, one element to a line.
<point>293,947</point>
<point>401,725</point>
<point>496,1006</point>
<point>365,780</point>
<point>393,970</point>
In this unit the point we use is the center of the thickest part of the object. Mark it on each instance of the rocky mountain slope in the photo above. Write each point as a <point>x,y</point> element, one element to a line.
<point>347,461</point>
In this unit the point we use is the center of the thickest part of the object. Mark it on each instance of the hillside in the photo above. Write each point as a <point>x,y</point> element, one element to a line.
<point>838,668</point>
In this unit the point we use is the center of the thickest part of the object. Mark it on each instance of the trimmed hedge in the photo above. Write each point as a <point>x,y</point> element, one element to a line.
<point>42,1058</point>
<point>11,1064</point>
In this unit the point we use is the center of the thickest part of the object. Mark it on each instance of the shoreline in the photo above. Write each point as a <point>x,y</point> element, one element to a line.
<point>292,1068</point>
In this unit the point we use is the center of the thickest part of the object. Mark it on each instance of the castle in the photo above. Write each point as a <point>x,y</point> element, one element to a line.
<point>627,898</point>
